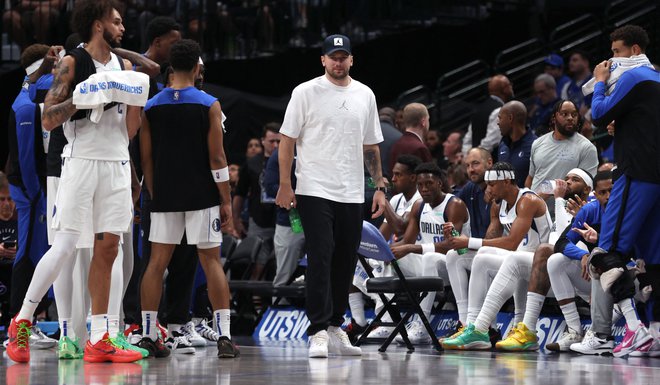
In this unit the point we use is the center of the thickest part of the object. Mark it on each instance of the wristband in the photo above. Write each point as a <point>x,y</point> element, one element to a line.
<point>475,243</point>
<point>220,175</point>
<point>428,248</point>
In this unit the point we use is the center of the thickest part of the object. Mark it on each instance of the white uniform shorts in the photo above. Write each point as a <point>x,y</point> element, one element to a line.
<point>86,239</point>
<point>93,196</point>
<point>202,227</point>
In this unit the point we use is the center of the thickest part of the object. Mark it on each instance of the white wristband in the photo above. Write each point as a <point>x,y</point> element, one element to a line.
<point>475,243</point>
<point>220,175</point>
<point>428,248</point>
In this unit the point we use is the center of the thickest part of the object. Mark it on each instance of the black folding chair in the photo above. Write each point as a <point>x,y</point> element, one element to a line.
<point>411,290</point>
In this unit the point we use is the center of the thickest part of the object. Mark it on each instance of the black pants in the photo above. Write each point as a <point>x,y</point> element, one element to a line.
<point>332,237</point>
<point>652,278</point>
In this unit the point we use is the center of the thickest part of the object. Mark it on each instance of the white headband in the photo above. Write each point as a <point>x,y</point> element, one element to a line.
<point>32,68</point>
<point>200,61</point>
<point>588,180</point>
<point>493,175</point>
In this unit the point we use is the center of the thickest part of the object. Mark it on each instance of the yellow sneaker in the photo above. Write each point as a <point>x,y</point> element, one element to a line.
<point>519,339</point>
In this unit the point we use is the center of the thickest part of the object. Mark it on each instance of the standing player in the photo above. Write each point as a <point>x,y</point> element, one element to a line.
<point>200,212</point>
<point>631,217</point>
<point>95,182</point>
<point>332,121</point>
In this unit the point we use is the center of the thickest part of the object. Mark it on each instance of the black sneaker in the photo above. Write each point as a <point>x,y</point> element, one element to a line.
<point>494,335</point>
<point>155,348</point>
<point>227,349</point>
<point>353,331</point>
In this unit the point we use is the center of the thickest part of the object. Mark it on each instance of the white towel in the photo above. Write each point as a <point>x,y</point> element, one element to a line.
<point>618,66</point>
<point>128,87</point>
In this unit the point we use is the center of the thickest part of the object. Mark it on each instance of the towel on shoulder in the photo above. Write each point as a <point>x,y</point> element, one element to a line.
<point>619,65</point>
<point>127,87</point>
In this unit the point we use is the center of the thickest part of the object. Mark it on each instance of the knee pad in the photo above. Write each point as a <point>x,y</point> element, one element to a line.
<point>623,287</point>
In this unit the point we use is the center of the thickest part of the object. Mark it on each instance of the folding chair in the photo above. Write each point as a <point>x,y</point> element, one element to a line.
<point>411,289</point>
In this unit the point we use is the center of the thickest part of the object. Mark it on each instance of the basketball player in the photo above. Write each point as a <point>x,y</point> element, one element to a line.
<point>175,208</point>
<point>95,179</point>
<point>519,223</point>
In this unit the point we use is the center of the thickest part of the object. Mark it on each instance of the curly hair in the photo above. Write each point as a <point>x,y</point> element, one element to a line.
<point>86,12</point>
<point>184,54</point>
<point>630,35</point>
<point>159,26</point>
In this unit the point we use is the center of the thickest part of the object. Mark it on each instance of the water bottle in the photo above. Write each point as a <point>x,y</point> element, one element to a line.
<point>294,218</point>
<point>455,233</point>
<point>547,187</point>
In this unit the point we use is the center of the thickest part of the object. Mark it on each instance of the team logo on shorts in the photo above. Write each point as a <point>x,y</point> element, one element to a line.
<point>216,225</point>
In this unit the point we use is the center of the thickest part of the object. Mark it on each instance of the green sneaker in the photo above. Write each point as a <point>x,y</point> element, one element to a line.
<point>69,349</point>
<point>469,339</point>
<point>121,341</point>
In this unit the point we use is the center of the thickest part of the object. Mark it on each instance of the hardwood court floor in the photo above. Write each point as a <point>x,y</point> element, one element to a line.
<point>287,363</point>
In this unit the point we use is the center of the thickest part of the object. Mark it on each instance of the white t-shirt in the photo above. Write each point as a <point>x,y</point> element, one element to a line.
<point>331,124</point>
<point>105,140</point>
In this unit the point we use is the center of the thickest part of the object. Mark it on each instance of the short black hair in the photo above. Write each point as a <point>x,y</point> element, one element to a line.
<point>410,161</point>
<point>184,54</point>
<point>159,26</point>
<point>72,41</point>
<point>86,12</point>
<point>272,127</point>
<point>503,166</point>
<point>32,54</point>
<point>630,35</point>
<point>582,53</point>
<point>558,106</point>
<point>602,175</point>
<point>429,168</point>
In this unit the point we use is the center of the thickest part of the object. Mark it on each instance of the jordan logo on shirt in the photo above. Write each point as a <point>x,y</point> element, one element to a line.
<point>343,106</point>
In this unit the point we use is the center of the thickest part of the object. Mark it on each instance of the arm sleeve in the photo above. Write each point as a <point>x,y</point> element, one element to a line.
<point>605,108</point>
<point>373,134</point>
<point>294,117</point>
<point>493,134</point>
<point>562,217</point>
<point>566,244</point>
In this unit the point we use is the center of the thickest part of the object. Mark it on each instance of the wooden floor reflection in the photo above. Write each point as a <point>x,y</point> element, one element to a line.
<point>287,363</point>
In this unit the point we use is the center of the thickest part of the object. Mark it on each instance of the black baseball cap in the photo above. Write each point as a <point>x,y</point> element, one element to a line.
<point>334,43</point>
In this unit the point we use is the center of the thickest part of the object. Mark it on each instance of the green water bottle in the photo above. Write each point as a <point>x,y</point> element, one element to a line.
<point>455,233</point>
<point>294,218</point>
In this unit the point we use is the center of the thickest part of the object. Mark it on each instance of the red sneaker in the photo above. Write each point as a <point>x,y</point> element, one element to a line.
<point>130,329</point>
<point>18,347</point>
<point>107,351</point>
<point>163,331</point>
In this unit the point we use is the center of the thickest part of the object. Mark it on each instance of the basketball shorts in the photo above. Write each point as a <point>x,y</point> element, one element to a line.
<point>202,227</point>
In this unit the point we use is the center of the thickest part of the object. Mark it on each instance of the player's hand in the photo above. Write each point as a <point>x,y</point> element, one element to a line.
<point>574,205</point>
<point>446,229</point>
<point>588,233</point>
<point>226,218</point>
<point>7,252</point>
<point>585,268</point>
<point>285,197</point>
<point>459,242</point>
<point>602,71</point>
<point>560,188</point>
<point>401,251</point>
<point>378,204</point>
<point>610,128</point>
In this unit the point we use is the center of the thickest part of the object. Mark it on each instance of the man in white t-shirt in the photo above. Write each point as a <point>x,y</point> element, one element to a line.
<point>332,120</point>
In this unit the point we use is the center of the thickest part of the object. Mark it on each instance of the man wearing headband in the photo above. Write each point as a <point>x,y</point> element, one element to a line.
<point>428,255</point>
<point>520,267</point>
<point>631,220</point>
<point>519,224</point>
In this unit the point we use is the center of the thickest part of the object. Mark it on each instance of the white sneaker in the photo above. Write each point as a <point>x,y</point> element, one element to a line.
<point>417,334</point>
<point>318,345</point>
<point>178,343</point>
<point>339,343</point>
<point>188,330</point>
<point>592,344</point>
<point>655,348</point>
<point>563,344</point>
<point>204,330</point>
<point>38,340</point>
<point>635,343</point>
<point>381,332</point>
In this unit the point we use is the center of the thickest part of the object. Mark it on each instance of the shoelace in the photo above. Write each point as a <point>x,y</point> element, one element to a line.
<point>23,335</point>
<point>319,340</point>
<point>207,332</point>
<point>179,340</point>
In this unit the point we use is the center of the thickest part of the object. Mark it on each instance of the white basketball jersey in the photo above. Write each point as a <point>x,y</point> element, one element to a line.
<point>432,219</point>
<point>401,205</point>
<point>105,140</point>
<point>538,233</point>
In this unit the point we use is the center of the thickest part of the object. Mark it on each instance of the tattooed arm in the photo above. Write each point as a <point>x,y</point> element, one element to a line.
<point>372,162</point>
<point>58,106</point>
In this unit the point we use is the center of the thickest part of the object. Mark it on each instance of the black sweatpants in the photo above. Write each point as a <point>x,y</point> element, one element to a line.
<point>332,237</point>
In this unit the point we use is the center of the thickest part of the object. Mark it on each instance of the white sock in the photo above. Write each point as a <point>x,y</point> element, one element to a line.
<point>113,325</point>
<point>572,316</point>
<point>98,328</point>
<point>533,310</point>
<point>149,329</point>
<point>65,328</point>
<point>462,306</point>
<point>630,313</point>
<point>356,304</point>
<point>616,314</point>
<point>173,328</point>
<point>221,322</point>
